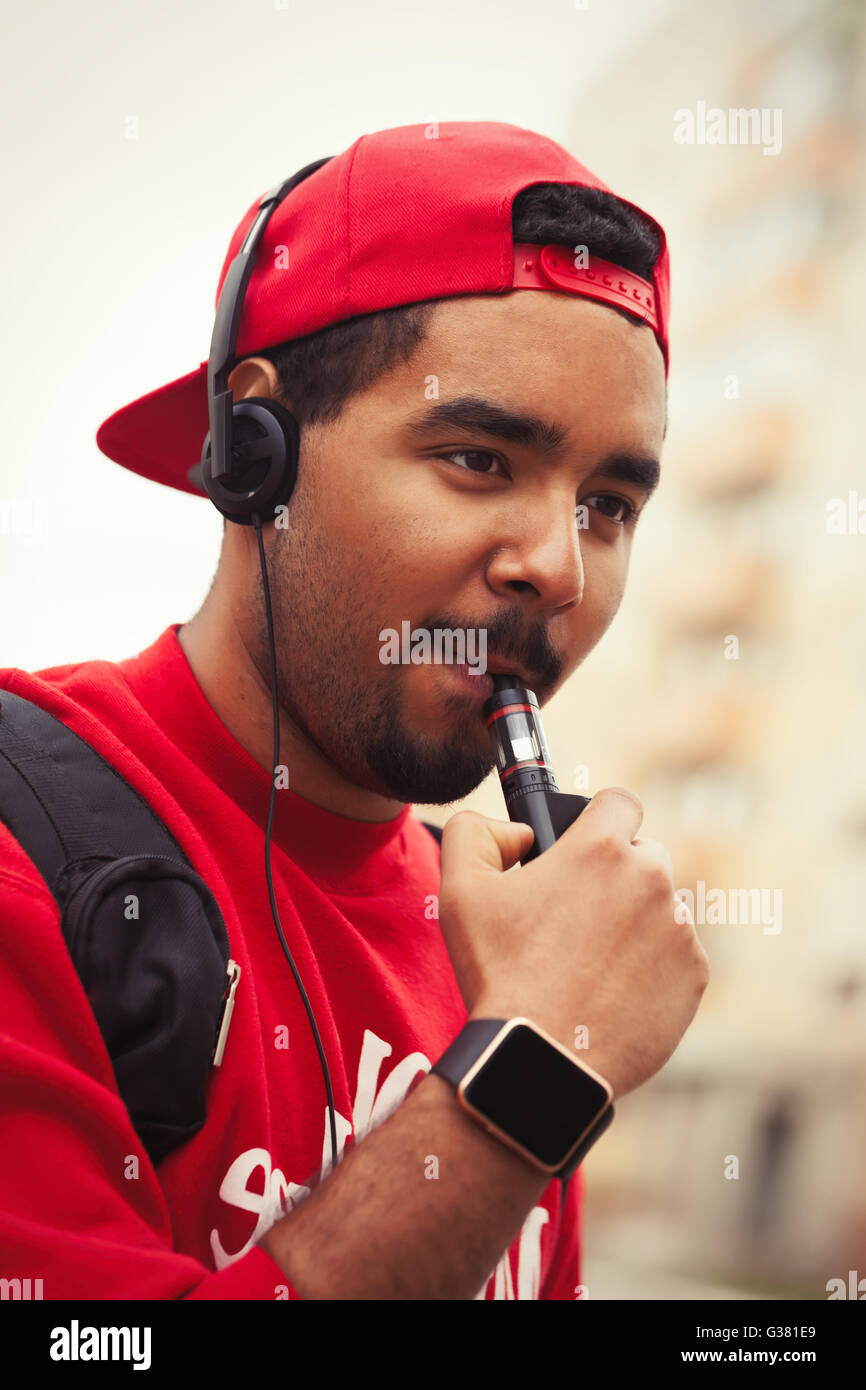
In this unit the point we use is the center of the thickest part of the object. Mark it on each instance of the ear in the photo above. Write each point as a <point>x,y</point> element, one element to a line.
<point>254,376</point>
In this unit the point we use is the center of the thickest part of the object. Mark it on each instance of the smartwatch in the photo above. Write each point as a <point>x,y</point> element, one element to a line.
<point>528,1090</point>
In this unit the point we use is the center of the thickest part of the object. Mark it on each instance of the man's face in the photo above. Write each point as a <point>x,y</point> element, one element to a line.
<point>385,529</point>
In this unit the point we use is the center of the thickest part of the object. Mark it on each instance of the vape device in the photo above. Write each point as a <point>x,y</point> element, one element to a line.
<point>523,762</point>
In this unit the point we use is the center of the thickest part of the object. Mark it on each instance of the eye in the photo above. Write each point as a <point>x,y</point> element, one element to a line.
<point>475,454</point>
<point>622,511</point>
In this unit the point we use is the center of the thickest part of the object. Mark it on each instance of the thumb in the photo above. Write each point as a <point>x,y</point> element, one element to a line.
<point>472,843</point>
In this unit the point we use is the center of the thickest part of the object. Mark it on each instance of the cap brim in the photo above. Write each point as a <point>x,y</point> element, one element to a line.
<point>160,435</point>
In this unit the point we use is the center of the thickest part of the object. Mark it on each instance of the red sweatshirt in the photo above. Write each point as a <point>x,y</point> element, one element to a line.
<point>357,904</point>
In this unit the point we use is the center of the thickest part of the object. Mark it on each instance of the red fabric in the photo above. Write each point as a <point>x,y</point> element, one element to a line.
<point>553,267</point>
<point>412,213</point>
<point>355,903</point>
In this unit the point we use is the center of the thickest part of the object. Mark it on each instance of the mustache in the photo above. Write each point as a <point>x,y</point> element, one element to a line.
<point>509,638</point>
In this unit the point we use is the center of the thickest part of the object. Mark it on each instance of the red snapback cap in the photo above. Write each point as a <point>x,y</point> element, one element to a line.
<point>413,213</point>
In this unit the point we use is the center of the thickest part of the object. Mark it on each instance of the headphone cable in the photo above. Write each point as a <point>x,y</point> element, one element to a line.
<point>273,652</point>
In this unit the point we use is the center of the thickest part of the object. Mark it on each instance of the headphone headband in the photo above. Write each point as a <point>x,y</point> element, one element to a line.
<point>226,462</point>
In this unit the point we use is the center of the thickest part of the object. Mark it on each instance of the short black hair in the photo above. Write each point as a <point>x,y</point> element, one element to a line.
<point>319,373</point>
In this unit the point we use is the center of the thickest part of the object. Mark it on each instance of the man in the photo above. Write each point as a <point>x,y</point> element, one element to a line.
<point>472,457</point>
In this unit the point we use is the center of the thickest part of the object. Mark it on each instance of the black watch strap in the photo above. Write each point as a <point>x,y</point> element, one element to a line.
<point>478,1033</point>
<point>467,1047</point>
<point>586,1144</point>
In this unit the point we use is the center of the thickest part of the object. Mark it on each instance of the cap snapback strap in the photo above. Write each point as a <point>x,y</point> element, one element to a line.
<point>553,267</point>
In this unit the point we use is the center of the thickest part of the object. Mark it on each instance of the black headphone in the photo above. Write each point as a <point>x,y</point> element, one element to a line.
<point>249,465</point>
<point>249,458</point>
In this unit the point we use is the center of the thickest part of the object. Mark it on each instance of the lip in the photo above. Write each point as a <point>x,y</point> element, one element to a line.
<point>480,685</point>
<point>496,667</point>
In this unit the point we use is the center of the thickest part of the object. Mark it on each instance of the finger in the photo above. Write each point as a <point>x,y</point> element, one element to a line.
<point>472,842</point>
<point>613,811</point>
<point>654,849</point>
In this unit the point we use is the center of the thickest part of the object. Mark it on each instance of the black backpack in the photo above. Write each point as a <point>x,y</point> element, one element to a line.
<point>108,858</point>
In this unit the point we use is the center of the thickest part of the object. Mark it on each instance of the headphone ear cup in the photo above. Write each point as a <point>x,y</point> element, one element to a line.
<point>265,448</point>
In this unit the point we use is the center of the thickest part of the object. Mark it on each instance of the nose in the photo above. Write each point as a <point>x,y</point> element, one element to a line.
<point>543,562</point>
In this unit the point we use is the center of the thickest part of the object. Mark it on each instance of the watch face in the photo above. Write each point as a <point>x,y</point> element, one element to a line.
<point>536,1095</point>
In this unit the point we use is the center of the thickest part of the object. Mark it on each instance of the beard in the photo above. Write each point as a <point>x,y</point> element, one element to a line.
<point>414,766</point>
<point>365,730</point>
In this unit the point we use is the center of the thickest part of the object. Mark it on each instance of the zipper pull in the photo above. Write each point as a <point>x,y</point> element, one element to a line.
<point>233,971</point>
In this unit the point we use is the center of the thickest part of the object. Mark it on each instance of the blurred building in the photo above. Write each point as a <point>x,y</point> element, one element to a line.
<point>737,679</point>
<point>728,692</point>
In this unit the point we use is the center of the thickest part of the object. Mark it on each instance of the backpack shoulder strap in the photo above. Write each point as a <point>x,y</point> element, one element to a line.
<point>137,919</point>
<point>435,830</point>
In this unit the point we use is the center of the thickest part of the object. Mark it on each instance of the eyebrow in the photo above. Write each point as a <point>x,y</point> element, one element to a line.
<point>474,414</point>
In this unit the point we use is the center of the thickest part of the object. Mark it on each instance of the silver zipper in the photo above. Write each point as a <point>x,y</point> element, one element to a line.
<point>233,971</point>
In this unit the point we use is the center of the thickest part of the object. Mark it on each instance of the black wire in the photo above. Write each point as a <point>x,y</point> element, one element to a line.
<point>258,525</point>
